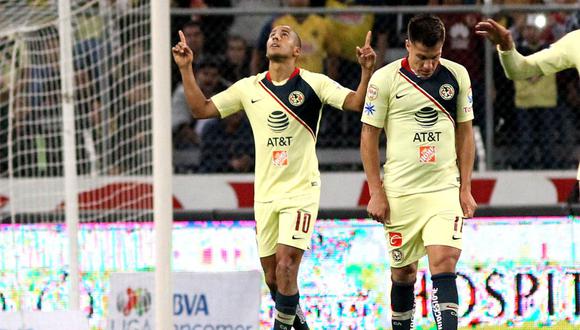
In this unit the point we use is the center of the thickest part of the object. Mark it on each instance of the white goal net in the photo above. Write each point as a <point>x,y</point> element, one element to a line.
<point>110,62</point>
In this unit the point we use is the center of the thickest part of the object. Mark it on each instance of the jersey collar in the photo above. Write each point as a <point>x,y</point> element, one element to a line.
<point>406,66</point>
<point>294,74</point>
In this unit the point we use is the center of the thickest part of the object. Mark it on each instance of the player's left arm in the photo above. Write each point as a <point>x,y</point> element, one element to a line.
<point>354,101</point>
<point>465,147</point>
<point>464,142</point>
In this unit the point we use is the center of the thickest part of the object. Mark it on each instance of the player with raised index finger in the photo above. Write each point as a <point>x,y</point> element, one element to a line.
<point>284,107</point>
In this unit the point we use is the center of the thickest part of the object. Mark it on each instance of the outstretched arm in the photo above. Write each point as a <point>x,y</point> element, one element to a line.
<point>367,58</point>
<point>199,105</point>
<point>515,65</point>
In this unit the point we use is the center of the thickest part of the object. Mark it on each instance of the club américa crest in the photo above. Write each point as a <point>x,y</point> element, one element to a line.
<point>296,98</point>
<point>446,91</point>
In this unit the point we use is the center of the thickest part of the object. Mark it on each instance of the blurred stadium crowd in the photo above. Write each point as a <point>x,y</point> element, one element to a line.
<point>536,122</point>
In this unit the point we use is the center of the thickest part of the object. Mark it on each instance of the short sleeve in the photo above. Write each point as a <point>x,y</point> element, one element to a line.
<point>332,93</point>
<point>376,102</point>
<point>229,101</point>
<point>465,97</point>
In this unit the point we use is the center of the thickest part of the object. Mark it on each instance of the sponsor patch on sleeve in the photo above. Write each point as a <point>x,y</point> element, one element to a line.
<point>372,92</point>
<point>369,109</point>
<point>469,98</point>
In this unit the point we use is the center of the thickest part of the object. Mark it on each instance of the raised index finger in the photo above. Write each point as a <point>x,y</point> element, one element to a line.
<point>368,39</point>
<point>182,36</point>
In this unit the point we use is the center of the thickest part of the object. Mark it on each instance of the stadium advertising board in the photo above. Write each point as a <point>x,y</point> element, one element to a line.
<point>199,301</point>
<point>512,271</point>
<point>232,191</point>
<point>56,320</point>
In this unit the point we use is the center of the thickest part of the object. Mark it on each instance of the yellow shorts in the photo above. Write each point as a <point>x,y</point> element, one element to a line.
<point>289,221</point>
<point>420,220</point>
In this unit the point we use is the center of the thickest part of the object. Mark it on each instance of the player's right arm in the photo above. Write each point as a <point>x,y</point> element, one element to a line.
<point>200,106</point>
<point>373,118</point>
<point>515,65</point>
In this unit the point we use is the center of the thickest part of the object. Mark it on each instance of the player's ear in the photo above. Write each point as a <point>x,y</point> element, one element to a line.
<point>408,45</point>
<point>297,51</point>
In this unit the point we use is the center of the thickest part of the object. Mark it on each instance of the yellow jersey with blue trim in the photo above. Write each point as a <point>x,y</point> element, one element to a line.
<point>285,118</point>
<point>419,117</point>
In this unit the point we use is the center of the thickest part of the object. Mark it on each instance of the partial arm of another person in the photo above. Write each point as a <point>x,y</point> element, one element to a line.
<point>366,58</point>
<point>200,106</point>
<point>378,207</point>
<point>515,65</point>
<point>465,148</point>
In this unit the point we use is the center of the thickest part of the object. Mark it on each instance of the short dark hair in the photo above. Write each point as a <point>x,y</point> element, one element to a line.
<point>426,29</point>
<point>298,40</point>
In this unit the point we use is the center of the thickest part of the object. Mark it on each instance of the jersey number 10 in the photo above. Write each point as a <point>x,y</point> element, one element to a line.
<point>305,219</point>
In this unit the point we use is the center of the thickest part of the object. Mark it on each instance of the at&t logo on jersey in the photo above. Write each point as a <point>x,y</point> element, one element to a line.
<point>278,121</point>
<point>296,98</point>
<point>280,157</point>
<point>426,117</point>
<point>446,92</point>
<point>427,154</point>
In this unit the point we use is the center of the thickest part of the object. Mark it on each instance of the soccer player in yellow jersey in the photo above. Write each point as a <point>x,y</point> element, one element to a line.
<point>284,107</point>
<point>424,105</point>
<point>563,54</point>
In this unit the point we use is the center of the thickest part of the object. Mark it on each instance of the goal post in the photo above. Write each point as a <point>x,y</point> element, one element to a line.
<point>69,149</point>
<point>162,172</point>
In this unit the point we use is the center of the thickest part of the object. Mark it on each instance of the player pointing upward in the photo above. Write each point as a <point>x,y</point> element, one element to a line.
<point>284,107</point>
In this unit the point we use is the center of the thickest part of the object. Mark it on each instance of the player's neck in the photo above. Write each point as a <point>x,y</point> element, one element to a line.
<point>280,71</point>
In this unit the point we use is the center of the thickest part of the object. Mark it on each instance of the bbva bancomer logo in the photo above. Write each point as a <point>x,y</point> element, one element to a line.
<point>134,300</point>
<point>138,302</point>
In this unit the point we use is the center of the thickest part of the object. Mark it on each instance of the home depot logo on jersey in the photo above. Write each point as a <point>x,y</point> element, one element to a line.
<point>427,154</point>
<point>280,157</point>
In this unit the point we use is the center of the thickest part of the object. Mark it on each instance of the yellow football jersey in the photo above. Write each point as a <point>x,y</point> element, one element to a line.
<point>419,117</point>
<point>284,117</point>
